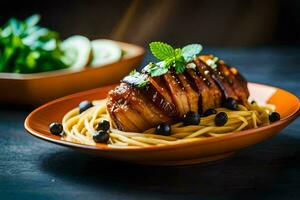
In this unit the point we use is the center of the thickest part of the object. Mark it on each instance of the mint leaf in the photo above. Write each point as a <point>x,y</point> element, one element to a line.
<point>162,51</point>
<point>178,53</point>
<point>179,67</point>
<point>190,51</point>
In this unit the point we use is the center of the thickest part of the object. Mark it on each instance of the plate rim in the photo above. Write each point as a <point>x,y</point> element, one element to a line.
<point>104,147</point>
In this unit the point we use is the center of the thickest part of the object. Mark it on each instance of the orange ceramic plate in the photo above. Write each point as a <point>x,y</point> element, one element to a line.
<point>188,153</point>
<point>39,88</point>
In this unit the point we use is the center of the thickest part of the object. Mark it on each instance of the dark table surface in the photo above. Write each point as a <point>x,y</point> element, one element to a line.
<point>34,169</point>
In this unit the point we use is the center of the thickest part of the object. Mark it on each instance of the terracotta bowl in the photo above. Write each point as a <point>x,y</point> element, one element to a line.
<point>38,88</point>
<point>188,153</point>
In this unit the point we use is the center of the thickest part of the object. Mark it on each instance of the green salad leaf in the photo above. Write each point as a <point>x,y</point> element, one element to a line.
<point>26,47</point>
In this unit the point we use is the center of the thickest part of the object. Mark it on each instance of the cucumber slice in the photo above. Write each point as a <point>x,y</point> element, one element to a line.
<point>105,52</point>
<point>78,51</point>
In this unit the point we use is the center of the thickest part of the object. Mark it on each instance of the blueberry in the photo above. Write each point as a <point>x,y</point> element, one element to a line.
<point>230,103</point>
<point>56,128</point>
<point>274,116</point>
<point>209,111</point>
<point>191,118</point>
<point>84,105</point>
<point>103,125</point>
<point>221,119</point>
<point>101,137</point>
<point>163,129</point>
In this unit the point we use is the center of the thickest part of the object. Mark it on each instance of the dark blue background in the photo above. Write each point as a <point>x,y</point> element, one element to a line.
<point>33,169</point>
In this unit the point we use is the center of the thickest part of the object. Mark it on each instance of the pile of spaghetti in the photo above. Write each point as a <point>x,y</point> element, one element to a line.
<point>80,127</point>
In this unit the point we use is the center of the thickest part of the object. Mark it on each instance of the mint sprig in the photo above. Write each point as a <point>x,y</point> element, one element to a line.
<point>170,57</point>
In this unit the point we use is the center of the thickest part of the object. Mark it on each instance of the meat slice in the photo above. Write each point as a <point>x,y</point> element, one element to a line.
<point>159,86</point>
<point>124,123</point>
<point>136,118</point>
<point>118,108</point>
<point>220,78</point>
<point>158,93</point>
<point>131,110</point>
<point>241,82</point>
<point>214,90</point>
<point>236,84</point>
<point>203,89</point>
<point>192,96</point>
<point>178,94</point>
<point>121,120</point>
<point>151,113</point>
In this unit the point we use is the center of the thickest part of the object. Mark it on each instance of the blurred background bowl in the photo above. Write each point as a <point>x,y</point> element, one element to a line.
<point>36,89</point>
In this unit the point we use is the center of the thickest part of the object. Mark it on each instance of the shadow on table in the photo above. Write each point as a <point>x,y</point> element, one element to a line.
<point>263,168</point>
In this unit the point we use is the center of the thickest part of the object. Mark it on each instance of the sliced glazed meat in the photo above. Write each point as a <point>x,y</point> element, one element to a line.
<point>167,98</point>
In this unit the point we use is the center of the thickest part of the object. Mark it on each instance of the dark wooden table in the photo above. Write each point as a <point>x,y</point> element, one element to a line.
<point>34,169</point>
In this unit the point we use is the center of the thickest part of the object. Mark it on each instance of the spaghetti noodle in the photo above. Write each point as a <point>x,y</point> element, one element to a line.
<point>80,127</point>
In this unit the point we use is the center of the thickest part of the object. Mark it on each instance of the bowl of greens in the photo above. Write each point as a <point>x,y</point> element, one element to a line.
<point>36,65</point>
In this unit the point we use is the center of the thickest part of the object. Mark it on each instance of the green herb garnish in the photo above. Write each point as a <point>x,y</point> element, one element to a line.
<point>170,57</point>
<point>137,79</point>
<point>26,47</point>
